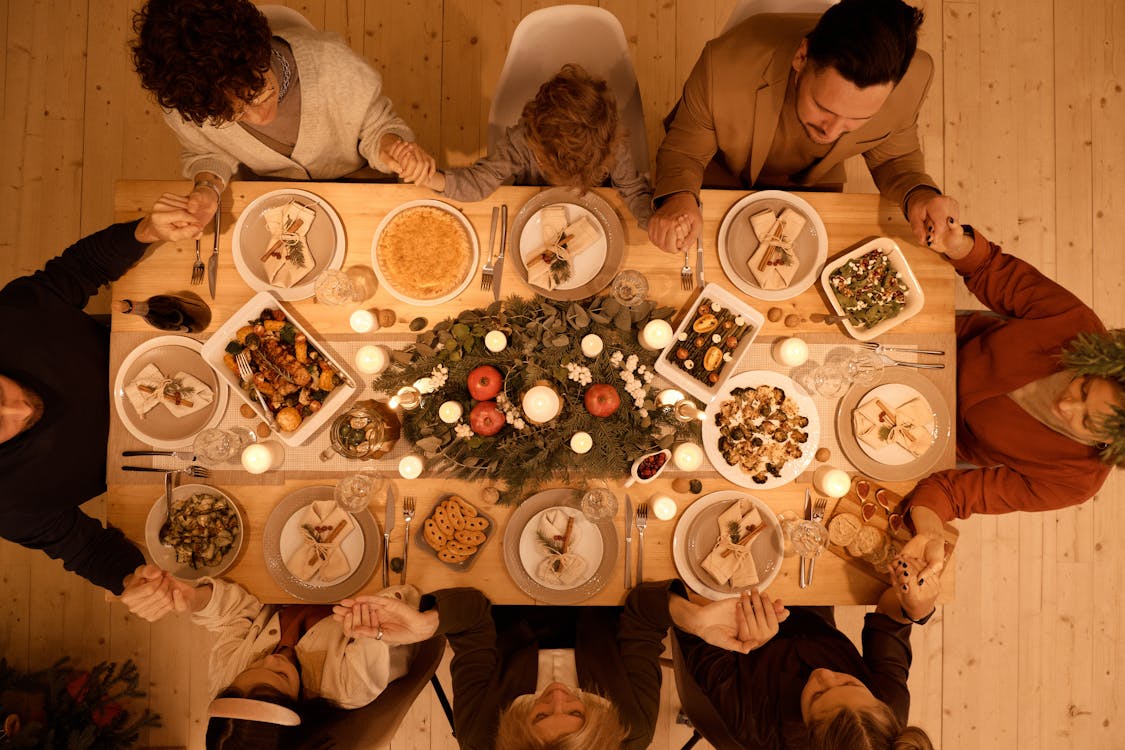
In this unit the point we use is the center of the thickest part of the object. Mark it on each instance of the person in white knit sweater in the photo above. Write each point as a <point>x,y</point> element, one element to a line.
<point>287,103</point>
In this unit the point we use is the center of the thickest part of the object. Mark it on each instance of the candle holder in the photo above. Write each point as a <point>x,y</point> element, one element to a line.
<point>258,458</point>
<point>408,398</point>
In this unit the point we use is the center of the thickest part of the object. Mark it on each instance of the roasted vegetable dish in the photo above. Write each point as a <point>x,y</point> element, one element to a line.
<point>294,377</point>
<point>706,345</point>
<point>869,289</point>
<point>202,529</point>
<point>760,430</point>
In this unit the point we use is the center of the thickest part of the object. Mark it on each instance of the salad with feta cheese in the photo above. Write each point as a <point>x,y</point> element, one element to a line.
<point>869,289</point>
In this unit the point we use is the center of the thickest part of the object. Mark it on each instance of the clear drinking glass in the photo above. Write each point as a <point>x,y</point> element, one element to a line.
<point>335,287</point>
<point>213,446</point>
<point>831,379</point>
<point>804,537</point>
<point>356,491</point>
<point>864,367</point>
<point>598,504</point>
<point>364,281</point>
<point>629,287</point>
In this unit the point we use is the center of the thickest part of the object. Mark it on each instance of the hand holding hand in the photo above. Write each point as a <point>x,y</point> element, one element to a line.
<point>928,211</point>
<point>758,618</point>
<point>915,590</point>
<point>202,203</point>
<point>397,621</point>
<point>676,224</point>
<point>409,160</point>
<point>928,548</point>
<point>148,593</point>
<point>170,220</point>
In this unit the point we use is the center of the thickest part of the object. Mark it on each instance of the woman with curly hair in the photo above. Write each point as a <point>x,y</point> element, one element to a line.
<point>290,103</point>
<point>568,135</point>
<point>549,678</point>
<point>798,683</point>
<point>1040,394</point>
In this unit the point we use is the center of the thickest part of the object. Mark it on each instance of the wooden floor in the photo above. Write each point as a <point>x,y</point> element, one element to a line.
<point>1023,125</point>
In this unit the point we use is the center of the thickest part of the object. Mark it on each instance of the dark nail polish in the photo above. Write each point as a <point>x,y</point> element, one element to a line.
<point>951,221</point>
<point>905,587</point>
<point>921,581</point>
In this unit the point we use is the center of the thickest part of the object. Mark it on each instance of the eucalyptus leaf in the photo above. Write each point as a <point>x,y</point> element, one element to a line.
<point>560,341</point>
<point>623,319</point>
<point>494,308</point>
<point>663,312</point>
<point>430,444</point>
<point>401,356</point>
<point>424,350</point>
<point>444,325</point>
<point>641,311</point>
<point>597,317</point>
<point>666,441</point>
<point>577,316</point>
<point>611,306</point>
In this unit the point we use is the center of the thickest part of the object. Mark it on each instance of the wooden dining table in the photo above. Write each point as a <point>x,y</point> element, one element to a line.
<point>850,219</point>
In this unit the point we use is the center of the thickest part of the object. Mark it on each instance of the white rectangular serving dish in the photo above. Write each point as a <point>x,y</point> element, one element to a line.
<point>682,379</point>
<point>915,299</point>
<point>215,347</point>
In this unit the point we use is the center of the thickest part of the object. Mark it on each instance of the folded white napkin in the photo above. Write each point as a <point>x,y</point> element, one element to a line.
<point>910,425</point>
<point>737,567</point>
<point>581,235</point>
<point>558,567</point>
<point>323,527</point>
<point>292,259</point>
<point>182,394</point>
<point>552,528</point>
<point>774,264</point>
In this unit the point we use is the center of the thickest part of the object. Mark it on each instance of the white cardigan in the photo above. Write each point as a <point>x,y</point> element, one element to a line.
<point>343,117</point>
<point>352,672</point>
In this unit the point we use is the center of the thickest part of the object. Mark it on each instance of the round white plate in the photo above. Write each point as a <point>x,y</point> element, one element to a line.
<point>893,395</point>
<point>325,238</point>
<point>474,250</point>
<point>159,427</point>
<point>292,539</point>
<point>737,242</point>
<point>588,263</point>
<point>165,557</point>
<point>363,564</point>
<point>791,469</point>
<point>589,547</point>
<point>692,542</point>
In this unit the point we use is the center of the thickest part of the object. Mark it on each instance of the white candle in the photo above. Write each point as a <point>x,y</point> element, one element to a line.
<point>371,359</point>
<point>831,481</point>
<point>581,442</point>
<point>592,345</point>
<point>424,385</point>
<point>669,397</point>
<point>258,458</point>
<point>407,397</point>
<point>686,410</point>
<point>410,467</point>
<point>791,352</point>
<point>663,507</point>
<point>363,321</point>
<point>655,335</point>
<point>495,341</point>
<point>541,404</point>
<point>687,456</point>
<point>450,412</point>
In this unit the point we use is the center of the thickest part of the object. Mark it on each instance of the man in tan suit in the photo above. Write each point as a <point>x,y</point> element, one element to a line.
<point>781,100</point>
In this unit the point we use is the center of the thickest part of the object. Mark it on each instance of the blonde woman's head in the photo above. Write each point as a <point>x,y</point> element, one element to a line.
<point>560,718</point>
<point>840,713</point>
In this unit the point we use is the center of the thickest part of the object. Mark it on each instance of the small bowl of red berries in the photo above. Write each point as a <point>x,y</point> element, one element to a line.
<point>649,466</point>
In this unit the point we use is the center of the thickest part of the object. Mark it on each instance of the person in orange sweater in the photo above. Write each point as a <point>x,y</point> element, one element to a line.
<point>1040,394</point>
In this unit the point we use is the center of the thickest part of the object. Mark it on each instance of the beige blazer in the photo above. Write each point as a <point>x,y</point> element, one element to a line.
<point>732,101</point>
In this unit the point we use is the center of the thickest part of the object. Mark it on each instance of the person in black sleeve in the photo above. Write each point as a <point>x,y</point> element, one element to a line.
<point>54,406</point>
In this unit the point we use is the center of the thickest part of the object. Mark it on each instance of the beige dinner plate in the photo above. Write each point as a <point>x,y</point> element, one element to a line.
<point>896,472</point>
<point>273,546</point>
<point>164,556</point>
<point>325,239</point>
<point>608,258</point>
<point>159,427</point>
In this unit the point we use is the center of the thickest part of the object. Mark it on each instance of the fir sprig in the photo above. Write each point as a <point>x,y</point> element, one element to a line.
<point>1102,355</point>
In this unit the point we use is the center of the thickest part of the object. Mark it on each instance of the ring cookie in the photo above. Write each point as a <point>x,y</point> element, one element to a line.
<point>472,538</point>
<point>455,530</point>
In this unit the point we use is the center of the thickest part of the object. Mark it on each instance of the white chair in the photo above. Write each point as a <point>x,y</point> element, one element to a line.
<point>743,9</point>
<point>547,39</point>
<point>280,17</point>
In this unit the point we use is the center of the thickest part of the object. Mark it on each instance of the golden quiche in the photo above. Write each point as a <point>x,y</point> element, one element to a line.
<point>424,253</point>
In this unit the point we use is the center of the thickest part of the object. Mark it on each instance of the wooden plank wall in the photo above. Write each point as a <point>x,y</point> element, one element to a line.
<point>1022,125</point>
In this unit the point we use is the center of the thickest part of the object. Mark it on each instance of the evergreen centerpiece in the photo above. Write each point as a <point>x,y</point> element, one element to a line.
<point>544,348</point>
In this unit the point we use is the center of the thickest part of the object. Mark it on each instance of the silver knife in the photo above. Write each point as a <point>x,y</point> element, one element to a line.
<point>182,455</point>
<point>213,261</point>
<point>388,524</point>
<point>803,581</point>
<point>628,542</point>
<point>699,259</point>
<point>499,271</point>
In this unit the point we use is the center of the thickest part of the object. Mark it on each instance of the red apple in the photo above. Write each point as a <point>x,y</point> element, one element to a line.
<point>601,399</point>
<point>486,419</point>
<point>485,382</point>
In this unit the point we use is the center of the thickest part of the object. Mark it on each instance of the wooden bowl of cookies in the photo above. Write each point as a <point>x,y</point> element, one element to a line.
<point>454,532</point>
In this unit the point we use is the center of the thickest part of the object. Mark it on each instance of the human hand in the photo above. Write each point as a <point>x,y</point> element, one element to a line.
<point>933,218</point>
<point>202,203</point>
<point>758,618</point>
<point>169,220</point>
<point>916,591</point>
<point>385,619</point>
<point>409,160</point>
<point>676,225</point>
<point>148,593</point>
<point>930,549</point>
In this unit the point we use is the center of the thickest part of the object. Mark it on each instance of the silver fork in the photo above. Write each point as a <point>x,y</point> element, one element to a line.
<point>889,362</point>
<point>407,517</point>
<point>818,509</point>
<point>687,283</point>
<point>642,522</point>
<point>878,348</point>
<point>198,268</point>
<point>199,472</point>
<point>487,271</point>
<point>244,371</point>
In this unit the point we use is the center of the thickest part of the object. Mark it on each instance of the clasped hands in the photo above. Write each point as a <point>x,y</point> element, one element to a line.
<point>386,619</point>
